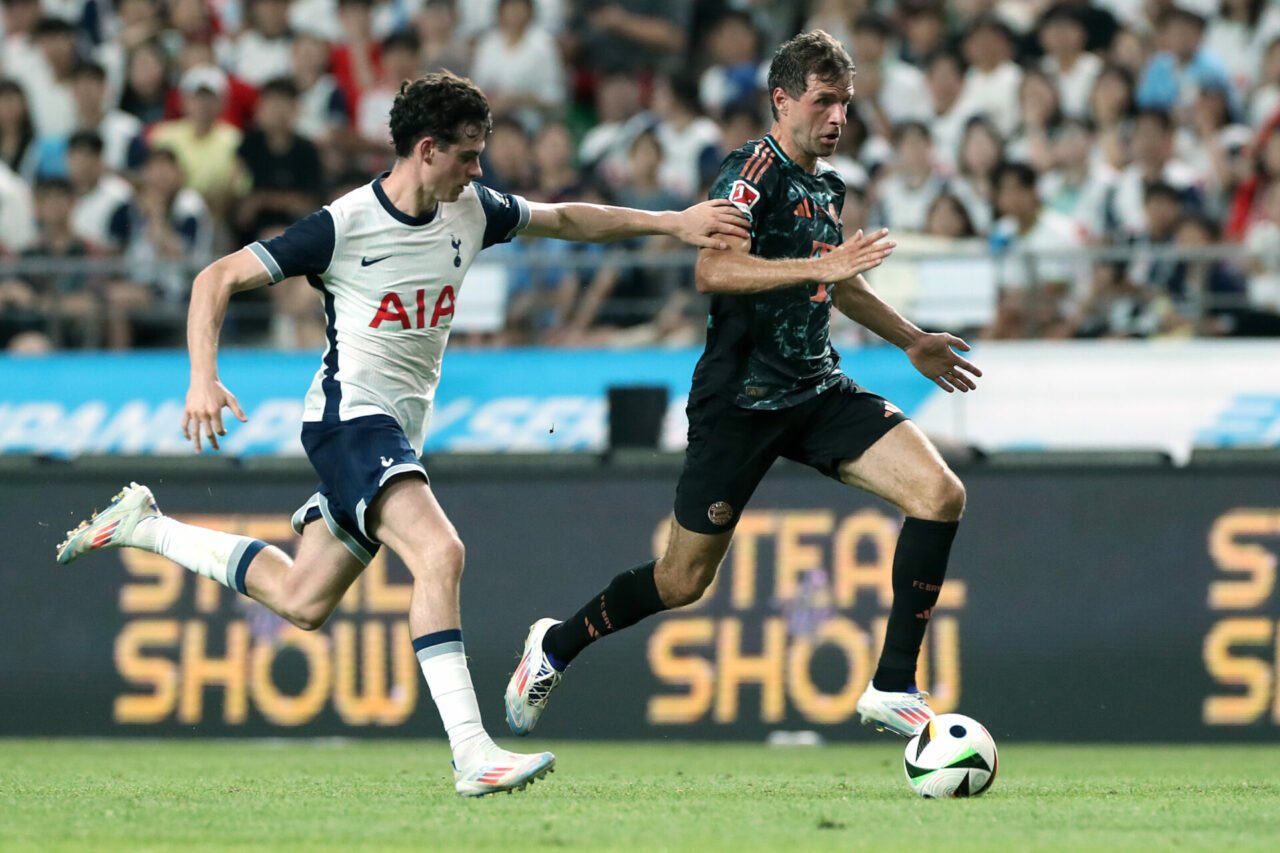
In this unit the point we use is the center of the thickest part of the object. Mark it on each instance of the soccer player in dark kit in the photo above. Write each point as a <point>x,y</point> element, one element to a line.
<point>769,384</point>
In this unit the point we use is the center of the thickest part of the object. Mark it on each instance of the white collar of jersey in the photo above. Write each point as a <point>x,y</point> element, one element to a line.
<point>396,213</point>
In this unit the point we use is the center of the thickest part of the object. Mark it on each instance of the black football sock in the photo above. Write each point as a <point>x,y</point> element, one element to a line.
<point>629,597</point>
<point>919,565</point>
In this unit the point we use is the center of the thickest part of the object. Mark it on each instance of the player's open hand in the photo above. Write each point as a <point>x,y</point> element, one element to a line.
<point>935,356</point>
<point>855,256</point>
<point>707,224</point>
<point>203,414</point>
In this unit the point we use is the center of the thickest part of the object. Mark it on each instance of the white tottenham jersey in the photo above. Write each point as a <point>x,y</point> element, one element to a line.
<point>390,283</point>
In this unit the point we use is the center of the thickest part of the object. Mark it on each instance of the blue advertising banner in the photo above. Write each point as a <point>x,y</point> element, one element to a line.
<point>526,400</point>
<point>1161,395</point>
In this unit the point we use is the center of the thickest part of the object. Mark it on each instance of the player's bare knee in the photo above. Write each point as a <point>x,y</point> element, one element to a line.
<point>686,585</point>
<point>443,559</point>
<point>308,623</point>
<point>699,584</point>
<point>948,499</point>
<point>308,617</point>
<point>453,556</point>
<point>680,594</point>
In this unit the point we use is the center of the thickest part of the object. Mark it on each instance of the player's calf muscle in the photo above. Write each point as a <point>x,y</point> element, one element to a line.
<point>286,587</point>
<point>306,613</point>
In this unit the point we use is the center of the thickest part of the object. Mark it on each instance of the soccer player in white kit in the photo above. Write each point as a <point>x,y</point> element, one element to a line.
<point>389,260</point>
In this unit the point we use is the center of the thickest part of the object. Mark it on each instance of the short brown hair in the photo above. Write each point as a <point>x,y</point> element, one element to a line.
<point>441,105</point>
<point>811,54</point>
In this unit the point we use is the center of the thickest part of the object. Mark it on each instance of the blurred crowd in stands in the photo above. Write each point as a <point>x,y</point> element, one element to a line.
<point>1051,168</point>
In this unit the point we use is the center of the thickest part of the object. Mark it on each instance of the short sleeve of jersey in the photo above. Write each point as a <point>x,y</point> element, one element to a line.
<point>742,180</point>
<point>505,215</point>
<point>305,248</point>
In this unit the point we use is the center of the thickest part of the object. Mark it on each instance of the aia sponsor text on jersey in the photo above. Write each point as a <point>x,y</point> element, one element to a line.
<point>392,310</point>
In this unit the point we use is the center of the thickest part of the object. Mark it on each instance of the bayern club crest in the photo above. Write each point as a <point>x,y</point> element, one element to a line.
<point>720,513</point>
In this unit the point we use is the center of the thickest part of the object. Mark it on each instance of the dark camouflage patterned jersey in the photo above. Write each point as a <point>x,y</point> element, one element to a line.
<point>773,350</point>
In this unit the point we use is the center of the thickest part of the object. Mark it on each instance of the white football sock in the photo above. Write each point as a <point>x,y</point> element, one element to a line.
<point>212,553</point>
<point>444,664</point>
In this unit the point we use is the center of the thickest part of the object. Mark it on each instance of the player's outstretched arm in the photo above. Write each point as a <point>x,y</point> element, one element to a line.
<point>931,353</point>
<point>708,224</point>
<point>210,294</point>
<point>738,271</point>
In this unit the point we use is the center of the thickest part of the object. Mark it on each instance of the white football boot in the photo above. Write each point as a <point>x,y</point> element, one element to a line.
<point>532,682</point>
<point>112,527</point>
<point>498,770</point>
<point>901,713</point>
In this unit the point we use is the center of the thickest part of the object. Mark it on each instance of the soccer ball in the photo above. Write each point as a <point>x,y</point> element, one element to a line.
<point>952,756</point>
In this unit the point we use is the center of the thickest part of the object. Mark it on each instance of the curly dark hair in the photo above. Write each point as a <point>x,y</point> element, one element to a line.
<point>441,105</point>
<point>814,53</point>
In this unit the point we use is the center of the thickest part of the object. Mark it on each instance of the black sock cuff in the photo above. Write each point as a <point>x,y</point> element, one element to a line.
<point>645,588</point>
<point>925,527</point>
<point>630,597</point>
<point>928,539</point>
<point>894,679</point>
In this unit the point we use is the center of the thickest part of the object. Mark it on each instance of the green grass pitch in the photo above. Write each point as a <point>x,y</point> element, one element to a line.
<point>301,795</point>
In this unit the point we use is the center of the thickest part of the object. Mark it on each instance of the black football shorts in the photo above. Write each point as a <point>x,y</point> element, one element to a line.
<point>731,448</point>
